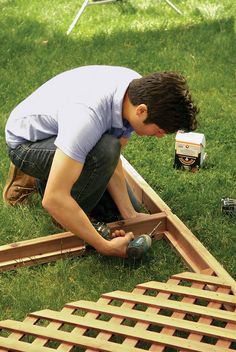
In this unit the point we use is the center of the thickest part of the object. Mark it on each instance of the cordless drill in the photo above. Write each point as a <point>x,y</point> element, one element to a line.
<point>137,248</point>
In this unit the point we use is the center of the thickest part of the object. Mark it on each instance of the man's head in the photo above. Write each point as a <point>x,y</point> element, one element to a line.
<point>167,100</point>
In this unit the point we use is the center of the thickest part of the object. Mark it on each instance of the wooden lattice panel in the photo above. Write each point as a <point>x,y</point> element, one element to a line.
<point>190,312</point>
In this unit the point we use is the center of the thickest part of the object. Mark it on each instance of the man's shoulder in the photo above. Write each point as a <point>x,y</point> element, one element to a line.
<point>103,69</point>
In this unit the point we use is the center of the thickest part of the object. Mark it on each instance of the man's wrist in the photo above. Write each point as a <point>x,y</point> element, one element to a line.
<point>104,247</point>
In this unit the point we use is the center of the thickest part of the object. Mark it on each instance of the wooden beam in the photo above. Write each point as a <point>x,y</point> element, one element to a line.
<point>50,248</point>
<point>202,278</point>
<point>151,325</point>
<point>195,255</point>
<point>40,250</point>
<point>160,320</point>
<point>163,303</point>
<point>190,292</point>
<point>83,341</point>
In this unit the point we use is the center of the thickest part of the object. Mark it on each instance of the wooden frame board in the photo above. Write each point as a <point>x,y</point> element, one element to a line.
<point>192,311</point>
<point>52,247</point>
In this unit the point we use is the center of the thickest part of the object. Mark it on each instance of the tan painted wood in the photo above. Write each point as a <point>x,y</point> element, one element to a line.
<point>189,291</point>
<point>41,341</point>
<point>179,315</point>
<point>57,335</point>
<point>196,256</point>
<point>102,335</point>
<point>129,305</point>
<point>207,321</point>
<point>197,336</point>
<point>193,251</point>
<point>170,304</point>
<point>153,310</point>
<point>160,320</point>
<point>182,315</point>
<point>57,319</point>
<point>16,335</point>
<point>65,347</point>
<point>128,341</point>
<point>42,258</point>
<point>10,344</point>
<point>170,330</point>
<point>39,245</point>
<point>206,279</point>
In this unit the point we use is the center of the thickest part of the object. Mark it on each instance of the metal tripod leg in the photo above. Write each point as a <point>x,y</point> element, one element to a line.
<point>77,16</point>
<point>81,10</point>
<point>173,6</point>
<point>88,2</point>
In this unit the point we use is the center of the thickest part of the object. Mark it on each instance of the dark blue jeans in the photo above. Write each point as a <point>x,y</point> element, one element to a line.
<point>89,191</point>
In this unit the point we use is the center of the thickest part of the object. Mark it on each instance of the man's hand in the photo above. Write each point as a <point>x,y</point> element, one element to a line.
<point>118,233</point>
<point>117,247</point>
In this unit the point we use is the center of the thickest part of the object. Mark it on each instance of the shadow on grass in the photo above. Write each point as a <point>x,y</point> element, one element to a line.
<point>32,53</point>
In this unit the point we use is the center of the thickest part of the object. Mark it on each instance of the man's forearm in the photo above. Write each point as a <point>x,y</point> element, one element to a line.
<point>67,212</point>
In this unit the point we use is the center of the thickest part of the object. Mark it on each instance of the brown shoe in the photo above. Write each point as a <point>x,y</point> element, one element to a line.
<point>19,186</point>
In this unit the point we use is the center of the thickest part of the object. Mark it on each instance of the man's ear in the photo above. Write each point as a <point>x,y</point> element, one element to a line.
<point>141,110</point>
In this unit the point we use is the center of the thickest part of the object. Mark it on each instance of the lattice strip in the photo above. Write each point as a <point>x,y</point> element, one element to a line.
<point>150,318</point>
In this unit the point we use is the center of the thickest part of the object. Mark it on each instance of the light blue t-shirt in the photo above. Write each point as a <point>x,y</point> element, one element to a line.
<point>78,106</point>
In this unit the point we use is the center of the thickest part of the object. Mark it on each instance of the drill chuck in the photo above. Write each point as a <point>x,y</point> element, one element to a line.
<point>103,230</point>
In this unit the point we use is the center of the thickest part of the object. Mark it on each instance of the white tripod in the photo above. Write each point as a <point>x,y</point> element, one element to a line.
<point>99,2</point>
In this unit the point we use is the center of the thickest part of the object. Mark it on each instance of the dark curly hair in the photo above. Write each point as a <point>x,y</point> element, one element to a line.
<point>168,101</point>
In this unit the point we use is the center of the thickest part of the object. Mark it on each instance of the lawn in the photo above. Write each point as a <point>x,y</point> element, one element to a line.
<point>147,36</point>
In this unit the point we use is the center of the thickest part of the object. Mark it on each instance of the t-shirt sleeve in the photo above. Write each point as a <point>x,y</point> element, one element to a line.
<point>78,131</point>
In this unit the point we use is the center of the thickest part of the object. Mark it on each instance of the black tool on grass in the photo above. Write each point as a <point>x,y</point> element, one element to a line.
<point>228,206</point>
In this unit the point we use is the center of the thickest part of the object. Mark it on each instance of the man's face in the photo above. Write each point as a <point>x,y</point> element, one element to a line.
<point>150,129</point>
<point>145,129</point>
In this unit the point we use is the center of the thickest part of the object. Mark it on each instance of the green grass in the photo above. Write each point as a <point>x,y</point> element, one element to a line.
<point>146,36</point>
